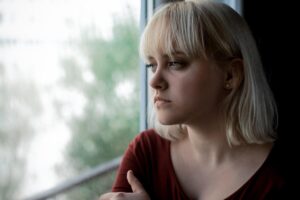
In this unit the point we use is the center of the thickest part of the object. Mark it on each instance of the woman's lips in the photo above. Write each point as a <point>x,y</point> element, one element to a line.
<point>159,101</point>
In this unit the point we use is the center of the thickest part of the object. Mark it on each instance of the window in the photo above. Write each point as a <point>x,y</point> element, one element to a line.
<point>69,91</point>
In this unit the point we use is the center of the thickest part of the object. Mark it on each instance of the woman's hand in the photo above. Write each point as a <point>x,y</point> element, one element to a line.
<point>138,193</point>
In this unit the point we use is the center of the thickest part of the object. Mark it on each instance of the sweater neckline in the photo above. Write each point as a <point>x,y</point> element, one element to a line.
<point>241,188</point>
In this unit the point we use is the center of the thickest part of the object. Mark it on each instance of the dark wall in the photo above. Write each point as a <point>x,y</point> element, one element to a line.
<point>274,25</point>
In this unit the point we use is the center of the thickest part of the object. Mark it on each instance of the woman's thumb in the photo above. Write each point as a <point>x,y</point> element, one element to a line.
<point>135,184</point>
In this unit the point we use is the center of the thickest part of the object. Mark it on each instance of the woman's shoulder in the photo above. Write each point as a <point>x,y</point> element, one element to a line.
<point>285,168</point>
<point>149,137</point>
<point>272,179</point>
<point>147,149</point>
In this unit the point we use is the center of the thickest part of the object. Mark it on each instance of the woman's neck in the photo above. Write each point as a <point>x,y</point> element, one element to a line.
<point>209,146</point>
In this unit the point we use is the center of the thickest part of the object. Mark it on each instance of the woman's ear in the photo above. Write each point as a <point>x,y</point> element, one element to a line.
<point>234,74</point>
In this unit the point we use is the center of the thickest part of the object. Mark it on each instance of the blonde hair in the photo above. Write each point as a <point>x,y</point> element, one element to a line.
<point>211,30</point>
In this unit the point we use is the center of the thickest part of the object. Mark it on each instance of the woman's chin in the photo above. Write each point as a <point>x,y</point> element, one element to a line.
<point>167,121</point>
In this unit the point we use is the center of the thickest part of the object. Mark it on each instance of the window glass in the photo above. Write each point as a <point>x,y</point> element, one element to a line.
<point>69,92</point>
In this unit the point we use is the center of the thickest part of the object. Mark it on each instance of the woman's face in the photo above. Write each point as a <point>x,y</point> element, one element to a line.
<point>185,91</point>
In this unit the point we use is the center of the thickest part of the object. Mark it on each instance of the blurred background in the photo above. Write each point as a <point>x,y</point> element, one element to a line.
<point>69,92</point>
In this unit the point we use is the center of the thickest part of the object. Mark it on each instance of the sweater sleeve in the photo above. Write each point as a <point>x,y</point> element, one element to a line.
<point>132,160</point>
<point>148,157</point>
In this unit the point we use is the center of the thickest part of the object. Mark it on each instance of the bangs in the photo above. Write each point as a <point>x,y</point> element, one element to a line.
<point>170,31</point>
<point>157,38</point>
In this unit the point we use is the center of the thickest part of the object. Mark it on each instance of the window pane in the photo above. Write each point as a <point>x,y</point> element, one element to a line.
<point>69,92</point>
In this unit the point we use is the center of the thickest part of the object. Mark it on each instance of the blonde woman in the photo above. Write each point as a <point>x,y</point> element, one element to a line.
<point>215,116</point>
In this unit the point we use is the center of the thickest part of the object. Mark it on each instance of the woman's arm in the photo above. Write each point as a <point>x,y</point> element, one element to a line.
<point>131,174</point>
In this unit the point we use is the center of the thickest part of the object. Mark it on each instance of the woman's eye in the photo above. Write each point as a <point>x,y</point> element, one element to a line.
<point>152,67</point>
<point>175,65</point>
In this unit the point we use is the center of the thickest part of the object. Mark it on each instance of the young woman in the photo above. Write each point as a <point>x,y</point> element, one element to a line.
<point>215,117</point>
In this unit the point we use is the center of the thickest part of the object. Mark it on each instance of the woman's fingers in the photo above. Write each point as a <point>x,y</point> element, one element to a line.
<point>135,184</point>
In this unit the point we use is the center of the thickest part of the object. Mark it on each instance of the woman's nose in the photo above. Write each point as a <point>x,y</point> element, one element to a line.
<point>158,81</point>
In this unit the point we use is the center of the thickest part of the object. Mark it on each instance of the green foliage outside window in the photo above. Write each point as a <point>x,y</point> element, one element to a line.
<point>111,114</point>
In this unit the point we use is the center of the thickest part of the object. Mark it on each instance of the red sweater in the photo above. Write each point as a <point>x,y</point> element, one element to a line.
<point>148,155</point>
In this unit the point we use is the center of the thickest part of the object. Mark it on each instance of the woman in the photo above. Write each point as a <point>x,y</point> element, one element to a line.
<point>215,115</point>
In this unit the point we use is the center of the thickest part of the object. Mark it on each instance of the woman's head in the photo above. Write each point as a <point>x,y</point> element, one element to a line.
<point>212,31</point>
<point>202,30</point>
